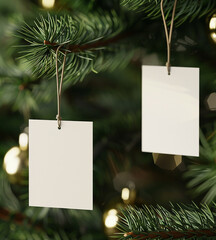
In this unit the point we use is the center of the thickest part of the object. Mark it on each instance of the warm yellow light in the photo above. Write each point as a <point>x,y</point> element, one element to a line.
<point>125,194</point>
<point>213,36</point>
<point>23,141</point>
<point>111,218</point>
<point>212,23</point>
<point>12,160</point>
<point>112,212</point>
<point>48,3</point>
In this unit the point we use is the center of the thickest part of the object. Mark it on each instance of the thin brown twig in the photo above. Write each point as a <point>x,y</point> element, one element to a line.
<point>173,234</point>
<point>94,45</point>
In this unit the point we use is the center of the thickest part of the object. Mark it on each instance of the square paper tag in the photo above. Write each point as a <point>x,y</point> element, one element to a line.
<point>60,164</point>
<point>170,110</point>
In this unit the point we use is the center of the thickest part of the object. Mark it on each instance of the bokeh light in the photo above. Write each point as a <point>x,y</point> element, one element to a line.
<point>212,27</point>
<point>48,3</point>
<point>212,22</point>
<point>111,218</point>
<point>125,193</point>
<point>23,141</point>
<point>12,160</point>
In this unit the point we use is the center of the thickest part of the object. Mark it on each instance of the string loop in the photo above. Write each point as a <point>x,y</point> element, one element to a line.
<point>168,36</point>
<point>59,85</point>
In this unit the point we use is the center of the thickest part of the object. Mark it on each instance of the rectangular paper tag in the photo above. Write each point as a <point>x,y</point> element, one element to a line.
<point>60,164</point>
<point>170,110</point>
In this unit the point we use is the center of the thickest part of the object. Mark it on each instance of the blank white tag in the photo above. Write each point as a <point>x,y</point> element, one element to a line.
<point>60,164</point>
<point>170,110</point>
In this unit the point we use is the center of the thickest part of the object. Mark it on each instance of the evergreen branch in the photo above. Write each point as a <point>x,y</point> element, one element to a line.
<point>180,222</point>
<point>185,9</point>
<point>90,46</point>
<point>201,171</point>
<point>84,37</point>
<point>174,234</point>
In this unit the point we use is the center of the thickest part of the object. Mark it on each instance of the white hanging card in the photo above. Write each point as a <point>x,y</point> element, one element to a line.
<point>60,164</point>
<point>170,110</point>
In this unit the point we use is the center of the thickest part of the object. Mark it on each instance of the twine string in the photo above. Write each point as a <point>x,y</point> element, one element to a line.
<point>59,86</point>
<point>168,36</point>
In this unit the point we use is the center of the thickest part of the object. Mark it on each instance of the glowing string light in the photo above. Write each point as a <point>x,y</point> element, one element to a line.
<point>111,218</point>
<point>48,3</point>
<point>12,160</point>
<point>212,23</point>
<point>125,194</point>
<point>23,141</point>
<point>212,27</point>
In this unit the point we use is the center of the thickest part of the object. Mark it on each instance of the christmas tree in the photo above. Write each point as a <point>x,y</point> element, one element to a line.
<point>106,43</point>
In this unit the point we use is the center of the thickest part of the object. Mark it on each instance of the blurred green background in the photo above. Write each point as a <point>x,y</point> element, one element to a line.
<point>112,100</point>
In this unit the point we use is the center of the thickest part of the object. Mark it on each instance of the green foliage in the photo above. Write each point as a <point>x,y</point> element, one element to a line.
<point>202,171</point>
<point>19,221</point>
<point>78,36</point>
<point>107,100</point>
<point>160,223</point>
<point>185,9</point>
<point>17,82</point>
<point>20,226</point>
<point>86,6</point>
<point>93,42</point>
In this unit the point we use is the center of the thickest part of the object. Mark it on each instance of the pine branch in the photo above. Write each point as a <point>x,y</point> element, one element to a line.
<point>201,171</point>
<point>174,234</point>
<point>84,38</point>
<point>92,39</point>
<point>180,222</point>
<point>90,46</point>
<point>186,10</point>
